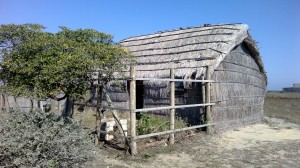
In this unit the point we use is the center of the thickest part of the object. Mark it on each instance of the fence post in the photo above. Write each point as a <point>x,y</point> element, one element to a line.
<point>172,103</point>
<point>207,96</point>
<point>202,117</point>
<point>132,111</point>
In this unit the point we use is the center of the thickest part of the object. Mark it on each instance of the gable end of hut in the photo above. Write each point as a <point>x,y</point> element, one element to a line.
<point>239,89</point>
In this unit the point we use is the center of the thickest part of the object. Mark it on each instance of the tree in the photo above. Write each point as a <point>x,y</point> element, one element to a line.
<point>40,64</point>
<point>11,36</point>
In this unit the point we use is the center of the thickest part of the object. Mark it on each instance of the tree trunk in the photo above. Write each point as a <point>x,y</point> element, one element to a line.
<point>68,112</point>
<point>40,105</point>
<point>16,105</point>
<point>31,105</point>
<point>3,103</point>
<point>98,113</point>
<point>7,105</point>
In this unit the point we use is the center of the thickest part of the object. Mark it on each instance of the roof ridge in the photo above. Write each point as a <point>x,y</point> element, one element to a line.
<point>182,28</point>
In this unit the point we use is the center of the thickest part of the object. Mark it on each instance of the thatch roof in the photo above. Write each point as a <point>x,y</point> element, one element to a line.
<point>187,50</point>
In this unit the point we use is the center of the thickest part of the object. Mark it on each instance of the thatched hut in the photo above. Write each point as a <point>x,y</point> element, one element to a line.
<point>237,69</point>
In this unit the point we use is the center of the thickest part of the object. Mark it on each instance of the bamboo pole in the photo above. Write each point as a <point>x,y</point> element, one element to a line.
<point>175,80</point>
<point>173,131</point>
<point>172,104</point>
<point>153,108</point>
<point>132,111</point>
<point>207,96</point>
<point>103,107</point>
<point>175,107</point>
<point>202,117</point>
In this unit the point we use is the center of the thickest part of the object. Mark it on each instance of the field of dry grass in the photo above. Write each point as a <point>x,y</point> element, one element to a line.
<point>283,105</point>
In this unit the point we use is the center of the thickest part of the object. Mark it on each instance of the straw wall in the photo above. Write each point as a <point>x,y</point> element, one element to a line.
<point>24,104</point>
<point>118,93</point>
<point>239,90</point>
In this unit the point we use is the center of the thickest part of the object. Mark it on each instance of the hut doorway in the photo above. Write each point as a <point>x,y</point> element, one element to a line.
<point>139,94</point>
<point>139,97</point>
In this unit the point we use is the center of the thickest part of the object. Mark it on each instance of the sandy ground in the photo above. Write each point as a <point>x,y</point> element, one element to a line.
<point>259,134</point>
<point>274,143</point>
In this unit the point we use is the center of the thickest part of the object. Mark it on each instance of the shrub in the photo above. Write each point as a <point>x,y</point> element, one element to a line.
<point>42,140</point>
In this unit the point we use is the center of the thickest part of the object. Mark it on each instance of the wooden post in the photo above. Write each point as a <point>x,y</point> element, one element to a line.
<point>132,111</point>
<point>207,95</point>
<point>203,101</point>
<point>172,103</point>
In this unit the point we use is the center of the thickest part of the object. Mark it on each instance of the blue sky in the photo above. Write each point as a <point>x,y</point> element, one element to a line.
<point>274,24</point>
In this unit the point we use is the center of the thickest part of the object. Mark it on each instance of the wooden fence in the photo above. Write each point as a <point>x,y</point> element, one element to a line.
<point>205,90</point>
<point>172,107</point>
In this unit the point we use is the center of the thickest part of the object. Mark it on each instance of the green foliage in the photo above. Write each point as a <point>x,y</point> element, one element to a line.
<point>147,155</point>
<point>42,140</point>
<point>41,65</point>
<point>150,123</point>
<point>11,38</point>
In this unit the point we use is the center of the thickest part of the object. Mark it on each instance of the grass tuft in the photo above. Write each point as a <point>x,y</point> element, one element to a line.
<point>150,123</point>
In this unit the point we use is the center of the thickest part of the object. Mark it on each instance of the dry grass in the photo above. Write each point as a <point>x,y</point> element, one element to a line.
<point>87,116</point>
<point>275,144</point>
<point>283,105</point>
<point>284,95</point>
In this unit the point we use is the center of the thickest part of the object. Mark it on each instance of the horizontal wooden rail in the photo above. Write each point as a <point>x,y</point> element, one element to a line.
<point>168,80</point>
<point>115,108</point>
<point>103,107</point>
<point>173,107</point>
<point>150,109</point>
<point>172,131</point>
<point>174,80</point>
<point>113,133</point>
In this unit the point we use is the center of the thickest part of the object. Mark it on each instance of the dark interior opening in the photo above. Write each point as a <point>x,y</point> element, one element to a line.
<point>190,93</point>
<point>139,97</point>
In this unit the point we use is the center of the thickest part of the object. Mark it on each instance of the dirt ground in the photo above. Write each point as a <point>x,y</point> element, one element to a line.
<point>274,143</point>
